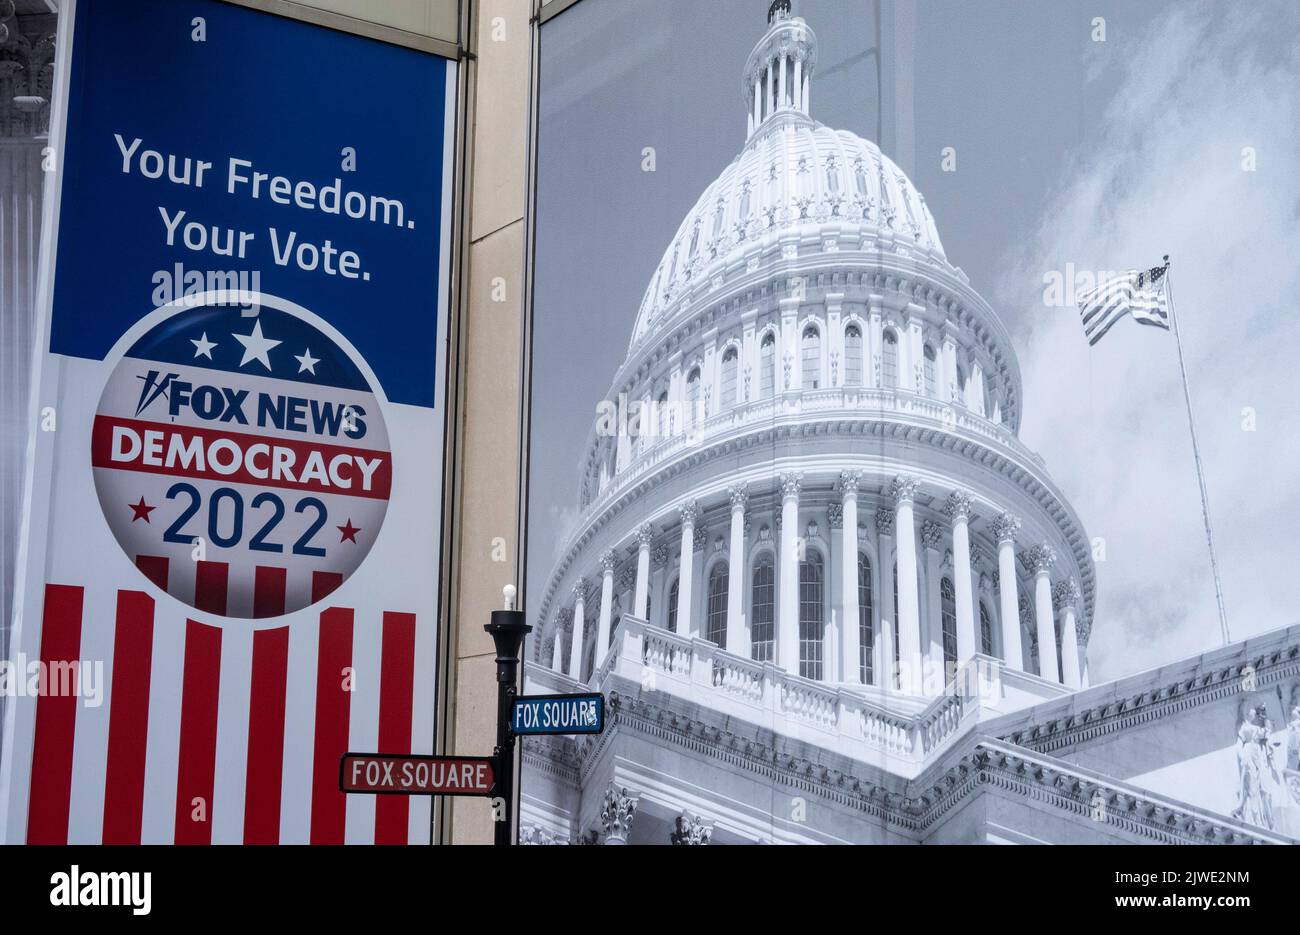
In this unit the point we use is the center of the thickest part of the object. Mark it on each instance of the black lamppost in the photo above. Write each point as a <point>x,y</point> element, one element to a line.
<point>507,629</point>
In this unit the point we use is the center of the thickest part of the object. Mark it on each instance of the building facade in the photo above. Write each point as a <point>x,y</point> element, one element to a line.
<point>26,76</point>
<point>815,569</point>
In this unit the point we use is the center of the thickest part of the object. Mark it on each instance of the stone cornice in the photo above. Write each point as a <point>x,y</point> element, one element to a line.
<point>977,761</point>
<point>1083,795</point>
<point>556,757</point>
<point>1098,712</point>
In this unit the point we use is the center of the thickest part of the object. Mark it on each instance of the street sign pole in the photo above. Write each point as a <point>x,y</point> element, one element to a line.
<point>507,629</point>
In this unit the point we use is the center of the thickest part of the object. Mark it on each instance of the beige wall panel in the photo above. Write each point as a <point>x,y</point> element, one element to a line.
<point>490,423</point>
<point>501,115</point>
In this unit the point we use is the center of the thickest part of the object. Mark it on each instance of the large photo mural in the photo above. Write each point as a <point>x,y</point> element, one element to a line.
<point>875,478</point>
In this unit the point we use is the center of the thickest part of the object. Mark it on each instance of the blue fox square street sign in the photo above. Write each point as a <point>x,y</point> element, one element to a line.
<point>558,714</point>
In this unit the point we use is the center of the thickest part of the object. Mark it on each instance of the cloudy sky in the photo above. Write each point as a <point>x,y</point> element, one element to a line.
<point>1164,174</point>
<point>1103,155</point>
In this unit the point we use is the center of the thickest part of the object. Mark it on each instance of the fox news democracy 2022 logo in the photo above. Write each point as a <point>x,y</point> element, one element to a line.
<point>253,446</point>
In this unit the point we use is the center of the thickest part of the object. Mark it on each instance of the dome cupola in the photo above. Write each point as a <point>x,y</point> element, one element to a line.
<point>778,72</point>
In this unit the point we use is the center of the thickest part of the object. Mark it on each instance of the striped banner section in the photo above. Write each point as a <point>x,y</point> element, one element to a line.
<point>194,744</point>
<point>56,717</point>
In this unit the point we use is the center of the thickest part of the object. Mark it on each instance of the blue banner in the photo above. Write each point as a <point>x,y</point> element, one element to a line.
<point>238,142</point>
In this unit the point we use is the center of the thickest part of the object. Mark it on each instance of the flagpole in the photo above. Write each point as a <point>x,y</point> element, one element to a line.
<point>1196,454</point>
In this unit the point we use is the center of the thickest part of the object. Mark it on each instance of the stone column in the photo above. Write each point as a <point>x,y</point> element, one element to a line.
<point>736,639</point>
<point>850,638</point>
<point>787,623</point>
<point>1040,560</point>
<point>557,647</point>
<point>579,626</point>
<point>758,101</point>
<point>607,562</point>
<point>1066,597</point>
<point>968,641</point>
<point>780,83</point>
<point>798,81</point>
<point>1004,529</point>
<point>932,628</point>
<point>909,603</point>
<point>699,602</point>
<point>617,810</point>
<point>688,511</point>
<point>644,536</point>
<point>883,666</point>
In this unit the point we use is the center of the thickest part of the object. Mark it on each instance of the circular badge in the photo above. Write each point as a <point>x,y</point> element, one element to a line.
<point>241,462</point>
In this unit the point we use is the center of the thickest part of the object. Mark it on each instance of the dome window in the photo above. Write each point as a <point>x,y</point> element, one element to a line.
<point>832,177</point>
<point>866,620</point>
<point>852,356</point>
<point>812,358</point>
<point>730,364</point>
<point>930,376</point>
<point>812,615</point>
<point>767,366</point>
<point>889,361</point>
<point>948,615</point>
<point>763,607</point>
<point>716,623</point>
<point>691,416</point>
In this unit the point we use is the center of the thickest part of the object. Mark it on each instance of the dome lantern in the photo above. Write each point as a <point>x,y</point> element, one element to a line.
<point>778,72</point>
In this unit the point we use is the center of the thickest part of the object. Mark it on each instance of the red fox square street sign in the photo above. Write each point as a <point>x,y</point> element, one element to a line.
<point>385,774</point>
<point>234,509</point>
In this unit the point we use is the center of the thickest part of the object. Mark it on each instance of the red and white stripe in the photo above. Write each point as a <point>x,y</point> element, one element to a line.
<point>214,734</point>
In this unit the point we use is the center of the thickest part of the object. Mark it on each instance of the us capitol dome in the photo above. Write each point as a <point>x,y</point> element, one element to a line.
<point>806,495</point>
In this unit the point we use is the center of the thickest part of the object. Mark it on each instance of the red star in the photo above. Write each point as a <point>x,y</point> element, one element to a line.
<point>142,510</point>
<point>349,532</point>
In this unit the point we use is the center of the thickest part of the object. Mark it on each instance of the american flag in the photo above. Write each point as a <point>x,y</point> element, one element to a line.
<point>1141,294</point>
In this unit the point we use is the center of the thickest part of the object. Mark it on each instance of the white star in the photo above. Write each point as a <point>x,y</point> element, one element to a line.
<point>203,346</point>
<point>256,346</point>
<point>307,362</point>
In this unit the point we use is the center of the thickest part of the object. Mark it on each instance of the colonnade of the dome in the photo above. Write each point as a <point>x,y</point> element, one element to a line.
<point>773,572</point>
